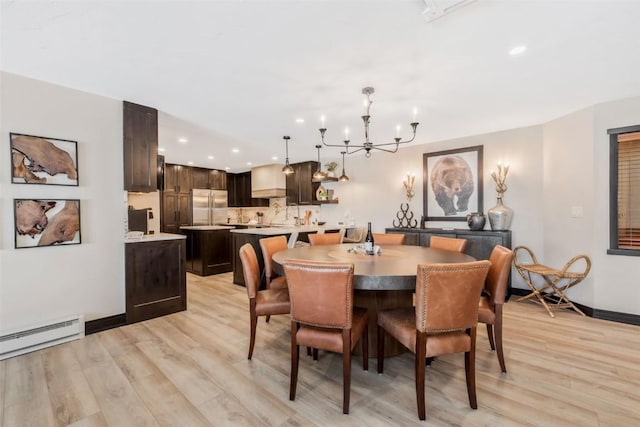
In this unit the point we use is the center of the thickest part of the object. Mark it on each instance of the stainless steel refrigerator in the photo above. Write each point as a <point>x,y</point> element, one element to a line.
<point>208,207</point>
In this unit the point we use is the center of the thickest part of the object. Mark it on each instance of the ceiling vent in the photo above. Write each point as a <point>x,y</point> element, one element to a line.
<point>438,8</point>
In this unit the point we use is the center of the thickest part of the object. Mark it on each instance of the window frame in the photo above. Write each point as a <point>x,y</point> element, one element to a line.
<point>613,191</point>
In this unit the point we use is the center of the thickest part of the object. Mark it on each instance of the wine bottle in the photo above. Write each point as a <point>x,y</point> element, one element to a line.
<point>368,241</point>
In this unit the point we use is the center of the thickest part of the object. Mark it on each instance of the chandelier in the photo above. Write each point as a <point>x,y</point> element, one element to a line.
<point>367,145</point>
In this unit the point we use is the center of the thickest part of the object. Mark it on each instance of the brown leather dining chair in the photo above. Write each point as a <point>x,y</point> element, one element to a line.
<point>269,246</point>
<point>323,316</point>
<point>448,243</point>
<point>492,300</point>
<point>443,321</point>
<point>388,239</point>
<point>261,303</point>
<point>325,239</point>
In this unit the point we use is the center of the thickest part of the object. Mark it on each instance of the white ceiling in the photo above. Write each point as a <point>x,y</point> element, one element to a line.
<point>231,74</point>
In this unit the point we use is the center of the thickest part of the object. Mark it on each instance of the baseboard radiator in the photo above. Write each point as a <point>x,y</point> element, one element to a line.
<point>17,342</point>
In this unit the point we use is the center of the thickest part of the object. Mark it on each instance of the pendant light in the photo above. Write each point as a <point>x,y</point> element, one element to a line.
<point>318,174</point>
<point>287,169</point>
<point>343,177</point>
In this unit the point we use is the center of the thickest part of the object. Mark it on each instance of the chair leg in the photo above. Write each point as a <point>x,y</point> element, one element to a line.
<point>315,354</point>
<point>295,358</point>
<point>380,349</point>
<point>252,340</point>
<point>492,342</point>
<point>268,316</point>
<point>421,350</point>
<point>346,369</point>
<point>470,370</point>
<point>364,342</point>
<point>498,335</point>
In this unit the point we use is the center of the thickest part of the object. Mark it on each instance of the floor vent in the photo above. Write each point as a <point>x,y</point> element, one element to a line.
<point>22,341</point>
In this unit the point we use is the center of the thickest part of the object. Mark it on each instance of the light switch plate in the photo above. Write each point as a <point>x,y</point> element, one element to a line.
<point>577,212</point>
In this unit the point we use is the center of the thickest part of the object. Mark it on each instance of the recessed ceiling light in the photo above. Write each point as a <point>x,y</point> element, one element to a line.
<point>235,150</point>
<point>210,157</point>
<point>162,150</point>
<point>274,158</point>
<point>227,168</point>
<point>517,50</point>
<point>249,163</point>
<point>299,120</point>
<point>190,163</point>
<point>182,140</point>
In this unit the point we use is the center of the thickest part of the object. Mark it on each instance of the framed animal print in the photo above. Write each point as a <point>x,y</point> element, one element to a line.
<point>42,160</point>
<point>46,222</point>
<point>452,184</point>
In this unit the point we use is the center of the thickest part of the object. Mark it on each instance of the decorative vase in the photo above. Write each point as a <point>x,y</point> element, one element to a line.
<point>500,216</point>
<point>476,221</point>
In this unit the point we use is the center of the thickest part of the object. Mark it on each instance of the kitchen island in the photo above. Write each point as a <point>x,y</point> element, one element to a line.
<point>208,249</point>
<point>253,236</point>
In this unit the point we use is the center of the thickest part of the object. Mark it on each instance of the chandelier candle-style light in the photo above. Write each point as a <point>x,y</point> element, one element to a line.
<point>367,145</point>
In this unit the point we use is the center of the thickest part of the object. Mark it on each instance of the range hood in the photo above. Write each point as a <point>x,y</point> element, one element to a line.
<point>268,181</point>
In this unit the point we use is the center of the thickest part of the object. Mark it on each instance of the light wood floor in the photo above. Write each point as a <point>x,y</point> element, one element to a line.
<point>191,369</point>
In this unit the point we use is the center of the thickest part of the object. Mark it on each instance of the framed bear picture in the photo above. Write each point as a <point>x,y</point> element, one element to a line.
<point>452,184</point>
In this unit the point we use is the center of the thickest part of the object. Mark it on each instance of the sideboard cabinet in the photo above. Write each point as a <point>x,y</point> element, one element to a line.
<point>479,243</point>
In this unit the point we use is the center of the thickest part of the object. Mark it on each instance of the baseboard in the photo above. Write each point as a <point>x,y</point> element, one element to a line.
<point>614,316</point>
<point>104,323</point>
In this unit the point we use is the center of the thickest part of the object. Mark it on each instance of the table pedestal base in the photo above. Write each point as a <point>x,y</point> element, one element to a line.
<point>376,301</point>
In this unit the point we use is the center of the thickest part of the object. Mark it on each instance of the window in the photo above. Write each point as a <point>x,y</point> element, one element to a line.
<point>624,197</point>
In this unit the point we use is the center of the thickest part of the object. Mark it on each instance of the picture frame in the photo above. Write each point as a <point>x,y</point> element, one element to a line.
<point>452,183</point>
<point>46,222</point>
<point>43,160</point>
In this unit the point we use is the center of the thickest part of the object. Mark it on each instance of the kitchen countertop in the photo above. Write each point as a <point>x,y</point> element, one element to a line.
<point>156,238</point>
<point>274,231</point>
<point>206,227</point>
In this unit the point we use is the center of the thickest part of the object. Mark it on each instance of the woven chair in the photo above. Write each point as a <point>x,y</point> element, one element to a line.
<point>552,285</point>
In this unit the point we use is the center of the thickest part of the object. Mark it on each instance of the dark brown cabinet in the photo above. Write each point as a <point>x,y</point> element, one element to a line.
<point>208,251</point>
<point>177,178</point>
<point>176,212</point>
<point>479,243</point>
<point>301,190</point>
<point>140,135</point>
<point>239,190</point>
<point>175,200</point>
<point>156,280</point>
<point>211,179</point>
<point>217,179</point>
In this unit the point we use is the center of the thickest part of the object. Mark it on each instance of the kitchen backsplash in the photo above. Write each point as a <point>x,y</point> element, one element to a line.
<point>277,213</point>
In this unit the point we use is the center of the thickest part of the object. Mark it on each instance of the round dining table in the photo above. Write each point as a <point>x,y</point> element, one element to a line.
<point>383,281</point>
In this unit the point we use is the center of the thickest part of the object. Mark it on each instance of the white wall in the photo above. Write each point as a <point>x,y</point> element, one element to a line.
<point>554,167</point>
<point>41,284</point>
<point>617,277</point>
<point>375,191</point>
